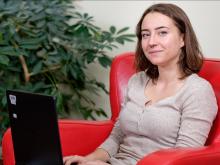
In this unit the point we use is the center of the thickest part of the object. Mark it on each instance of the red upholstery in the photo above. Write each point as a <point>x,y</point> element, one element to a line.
<point>82,137</point>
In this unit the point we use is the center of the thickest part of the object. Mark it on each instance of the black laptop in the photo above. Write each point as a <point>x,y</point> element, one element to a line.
<point>34,127</point>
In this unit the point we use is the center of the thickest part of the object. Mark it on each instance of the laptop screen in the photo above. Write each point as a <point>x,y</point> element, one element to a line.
<point>34,127</point>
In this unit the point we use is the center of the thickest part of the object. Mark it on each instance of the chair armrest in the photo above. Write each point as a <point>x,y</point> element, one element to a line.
<point>7,149</point>
<point>77,137</point>
<point>82,137</point>
<point>181,156</point>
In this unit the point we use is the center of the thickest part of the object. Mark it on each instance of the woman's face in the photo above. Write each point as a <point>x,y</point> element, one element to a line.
<point>161,39</point>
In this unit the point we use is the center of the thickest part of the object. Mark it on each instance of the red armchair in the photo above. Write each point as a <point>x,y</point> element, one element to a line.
<point>82,137</point>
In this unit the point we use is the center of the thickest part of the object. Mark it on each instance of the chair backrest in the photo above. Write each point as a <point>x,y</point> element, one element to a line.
<point>123,68</point>
<point>211,72</point>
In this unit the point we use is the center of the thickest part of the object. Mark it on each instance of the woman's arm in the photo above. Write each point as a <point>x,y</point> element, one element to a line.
<point>199,111</point>
<point>98,154</point>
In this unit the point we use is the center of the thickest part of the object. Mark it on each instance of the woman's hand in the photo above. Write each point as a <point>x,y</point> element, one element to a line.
<point>98,157</point>
<point>80,160</point>
<point>94,162</point>
<point>67,160</point>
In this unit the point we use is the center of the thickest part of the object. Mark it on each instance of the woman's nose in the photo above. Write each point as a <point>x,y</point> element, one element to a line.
<point>152,40</point>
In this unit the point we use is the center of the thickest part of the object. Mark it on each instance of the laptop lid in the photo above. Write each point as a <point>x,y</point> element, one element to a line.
<point>34,127</point>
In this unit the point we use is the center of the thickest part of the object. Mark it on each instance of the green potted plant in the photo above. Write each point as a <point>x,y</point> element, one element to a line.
<point>46,47</point>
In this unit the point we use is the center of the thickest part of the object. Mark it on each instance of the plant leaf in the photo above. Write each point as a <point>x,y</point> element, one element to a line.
<point>112,29</point>
<point>105,61</point>
<point>4,60</point>
<point>122,30</point>
<point>37,67</point>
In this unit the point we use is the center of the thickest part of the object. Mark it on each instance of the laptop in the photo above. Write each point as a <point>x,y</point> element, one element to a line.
<point>34,127</point>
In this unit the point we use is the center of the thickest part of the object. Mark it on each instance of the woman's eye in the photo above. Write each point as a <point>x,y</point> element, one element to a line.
<point>145,35</point>
<point>163,33</point>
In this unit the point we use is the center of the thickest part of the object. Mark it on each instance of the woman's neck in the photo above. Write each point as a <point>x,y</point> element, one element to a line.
<point>169,75</point>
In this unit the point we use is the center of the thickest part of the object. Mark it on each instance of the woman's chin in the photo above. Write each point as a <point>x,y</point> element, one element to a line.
<point>156,61</point>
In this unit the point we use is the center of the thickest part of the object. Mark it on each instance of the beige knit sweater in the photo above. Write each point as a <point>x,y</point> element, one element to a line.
<point>182,120</point>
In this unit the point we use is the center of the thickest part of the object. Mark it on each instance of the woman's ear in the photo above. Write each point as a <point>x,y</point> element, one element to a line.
<point>182,41</point>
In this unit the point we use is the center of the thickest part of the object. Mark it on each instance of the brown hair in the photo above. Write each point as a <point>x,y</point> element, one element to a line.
<point>191,58</point>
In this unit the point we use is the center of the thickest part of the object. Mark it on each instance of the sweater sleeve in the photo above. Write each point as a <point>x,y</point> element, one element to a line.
<point>199,111</point>
<point>112,143</point>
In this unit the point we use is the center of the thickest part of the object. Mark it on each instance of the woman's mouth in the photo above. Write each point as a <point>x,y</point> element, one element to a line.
<point>154,52</point>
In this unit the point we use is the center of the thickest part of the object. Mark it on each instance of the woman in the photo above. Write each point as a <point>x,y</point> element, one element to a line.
<point>167,104</point>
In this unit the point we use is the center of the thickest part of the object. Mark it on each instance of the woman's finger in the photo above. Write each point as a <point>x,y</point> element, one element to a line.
<point>72,159</point>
